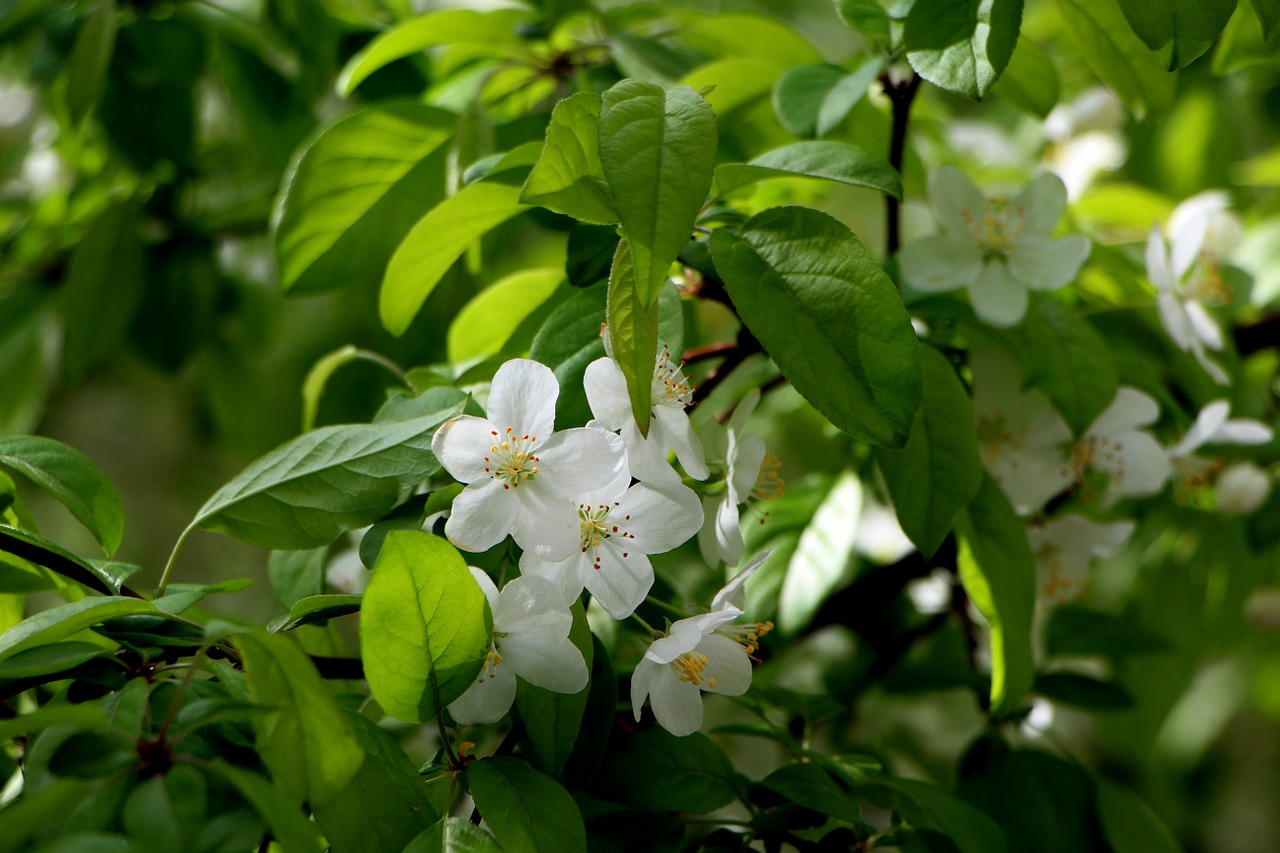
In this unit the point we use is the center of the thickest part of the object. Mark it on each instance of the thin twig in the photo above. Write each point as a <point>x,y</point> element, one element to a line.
<point>900,96</point>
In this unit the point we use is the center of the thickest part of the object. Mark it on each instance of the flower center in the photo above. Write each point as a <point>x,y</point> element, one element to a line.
<point>994,435</point>
<point>689,667</point>
<point>998,229</point>
<point>596,525</point>
<point>511,459</point>
<point>1087,452</point>
<point>491,661</point>
<point>747,636</point>
<point>1192,471</point>
<point>768,485</point>
<point>1057,584</point>
<point>670,387</point>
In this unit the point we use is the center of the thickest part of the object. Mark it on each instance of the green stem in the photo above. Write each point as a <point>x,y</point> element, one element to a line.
<point>646,625</point>
<point>173,556</point>
<point>667,607</point>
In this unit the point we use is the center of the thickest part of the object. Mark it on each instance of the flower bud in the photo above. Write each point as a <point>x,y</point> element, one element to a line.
<point>1242,488</point>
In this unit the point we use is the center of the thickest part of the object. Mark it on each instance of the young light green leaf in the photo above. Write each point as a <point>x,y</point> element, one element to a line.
<point>438,240</point>
<point>929,807</point>
<point>939,470</point>
<point>568,177</point>
<point>308,743</point>
<point>319,374</point>
<point>1030,81</point>
<point>453,835</point>
<point>869,19</point>
<point>846,94</point>
<point>1117,56</point>
<point>1069,362</point>
<point>356,191</point>
<point>821,559</point>
<point>633,333</point>
<point>658,149</point>
<point>1179,30</point>
<point>527,811</point>
<point>799,94</point>
<point>962,45</point>
<point>486,322</point>
<point>829,316</point>
<point>72,480</point>
<point>309,491</point>
<point>90,58</point>
<point>829,161</point>
<point>496,29</point>
<point>58,623</point>
<point>424,626</point>
<point>1129,824</point>
<point>552,720</point>
<point>999,574</point>
<point>654,770</point>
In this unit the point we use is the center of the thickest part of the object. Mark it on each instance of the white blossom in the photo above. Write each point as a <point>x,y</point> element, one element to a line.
<point>744,453</point>
<point>1064,548</point>
<point>1242,488</point>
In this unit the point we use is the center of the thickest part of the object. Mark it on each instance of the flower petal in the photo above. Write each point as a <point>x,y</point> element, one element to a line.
<point>660,518</point>
<point>677,704</point>
<point>488,699</point>
<point>546,524</point>
<point>1208,422</point>
<point>1129,410</point>
<point>620,583</point>
<point>461,444</point>
<point>1173,316</point>
<point>1044,264</point>
<point>1139,467</point>
<point>641,682</point>
<point>566,574</point>
<point>606,389</point>
<point>1185,244</point>
<point>523,397</point>
<point>686,634</point>
<point>998,299</point>
<point>746,455</point>
<point>580,460</point>
<point>733,595</point>
<point>647,457</point>
<point>1211,367</point>
<point>937,264</point>
<point>482,516</point>
<point>533,605</point>
<point>555,665</point>
<point>1202,324</point>
<point>956,201</point>
<point>1041,203</point>
<point>1243,431</point>
<point>674,431</point>
<point>1157,258</point>
<point>727,666</point>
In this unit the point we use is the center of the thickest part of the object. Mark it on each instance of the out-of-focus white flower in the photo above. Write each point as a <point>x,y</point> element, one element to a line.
<point>1242,488</point>
<point>1063,549</point>
<point>347,574</point>
<point>1212,426</point>
<point>1085,139</point>
<point>996,248</point>
<point>932,593</point>
<point>721,536</point>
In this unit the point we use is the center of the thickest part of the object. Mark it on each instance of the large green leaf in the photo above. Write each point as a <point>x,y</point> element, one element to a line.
<point>288,825</point>
<point>999,574</point>
<point>1180,30</point>
<point>1129,824</point>
<point>527,811</point>
<point>962,45</point>
<point>453,835</point>
<point>929,807</point>
<point>828,161</point>
<point>567,342</point>
<point>829,316</point>
<point>553,720</point>
<point>1070,362</point>
<point>100,575</point>
<point>424,626</point>
<point>812,100</point>
<point>71,479</point>
<point>568,177</point>
<point>384,806</point>
<point>309,491</point>
<point>657,149</point>
<point>356,191</point>
<point>822,556</point>
<point>809,785</point>
<point>1117,56</point>
<point>90,58</point>
<point>656,771</point>
<point>1030,81</point>
<point>1268,12</point>
<point>869,19</point>
<point>486,322</point>
<point>939,470</point>
<point>633,333</point>
<point>438,240</point>
<point>58,623</point>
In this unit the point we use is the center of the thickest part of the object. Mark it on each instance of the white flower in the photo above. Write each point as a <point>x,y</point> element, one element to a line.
<point>1064,548</point>
<point>700,653</point>
<point>522,478</point>
<point>669,428</point>
<point>619,527</point>
<point>1116,446</point>
<point>1242,488</point>
<point>1212,426</point>
<point>1086,139</point>
<point>531,622</point>
<point>721,536</point>
<point>996,248</point>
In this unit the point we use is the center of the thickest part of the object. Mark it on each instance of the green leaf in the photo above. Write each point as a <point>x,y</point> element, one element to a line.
<point>939,470</point>
<point>1117,56</point>
<point>103,288</point>
<point>1070,362</point>
<point>568,177</point>
<point>356,191</point>
<point>928,807</point>
<point>453,835</point>
<point>868,18</point>
<point>1029,82</point>
<point>34,812</point>
<point>90,58</point>
<point>821,560</point>
<point>568,341</point>
<point>962,45</point>
<point>497,29</point>
<point>999,574</point>
<point>296,575</point>
<point>290,827</point>
<point>82,716</point>
<point>384,806</point>
<point>308,742</point>
<point>309,491</point>
<point>829,316</point>
<point>318,608</point>
<point>1129,824</point>
<point>1268,15</point>
<point>552,720</point>
<point>799,94</point>
<point>167,812</point>
<point>424,626</point>
<point>46,660</point>
<point>828,161</point>
<point>597,719</point>
<point>527,811</point>
<point>845,95</point>
<point>1076,630</point>
<point>633,333</point>
<point>320,373</point>
<point>97,575</point>
<point>658,150</point>
<point>590,253</point>
<point>656,771</point>
<point>810,786</point>
<point>71,479</point>
<point>486,322</point>
<point>1083,691</point>
<point>439,239</point>
<point>58,623</point>
<point>1180,30</point>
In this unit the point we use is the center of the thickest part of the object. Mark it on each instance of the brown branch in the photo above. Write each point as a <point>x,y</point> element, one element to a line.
<point>900,96</point>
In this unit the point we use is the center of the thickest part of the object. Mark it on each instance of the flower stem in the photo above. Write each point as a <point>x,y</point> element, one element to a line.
<point>900,96</point>
<point>646,625</point>
<point>668,607</point>
<point>173,556</point>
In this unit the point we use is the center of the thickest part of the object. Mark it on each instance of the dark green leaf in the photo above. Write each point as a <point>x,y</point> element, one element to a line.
<point>656,771</point>
<point>567,342</point>
<point>453,835</point>
<point>928,807</point>
<point>90,59</point>
<point>1030,82</point>
<point>568,177</point>
<point>35,811</point>
<point>1075,630</point>
<point>58,623</point>
<point>103,576</point>
<point>846,94</point>
<point>290,827</point>
<point>657,149</point>
<point>92,755</point>
<point>1180,30</point>
<point>408,516</point>
<point>633,333</point>
<point>591,250</point>
<point>296,575</point>
<point>1129,824</point>
<point>527,811</point>
<point>71,479</point>
<point>939,470</point>
<point>829,316</point>
<point>828,161</point>
<point>319,608</point>
<point>1069,362</point>
<point>552,720</point>
<point>1083,691</point>
<point>50,659</point>
<point>597,719</point>
<point>424,626</point>
<point>1117,56</point>
<point>962,45</point>
<point>1268,15</point>
<point>168,812</point>
<point>810,786</point>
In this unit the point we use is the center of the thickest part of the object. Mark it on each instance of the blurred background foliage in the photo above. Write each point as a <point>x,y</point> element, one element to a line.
<point>144,146</point>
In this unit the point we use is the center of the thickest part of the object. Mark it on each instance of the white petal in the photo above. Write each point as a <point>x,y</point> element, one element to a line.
<point>1044,264</point>
<point>1208,422</point>
<point>1157,257</point>
<point>737,423</point>
<point>646,457</point>
<point>677,434</point>
<point>746,455</point>
<point>489,589</point>
<point>1243,431</point>
<point>551,665</point>
<point>461,445</point>
<point>1129,410</point>
<point>686,634</point>
<point>733,595</point>
<point>523,397</point>
<point>566,574</point>
<point>620,583</point>
<point>998,299</point>
<point>641,682</point>
<point>660,518</point>
<point>1202,324</point>
<point>533,605</point>
<point>956,201</point>
<point>1242,488</point>
<point>1211,367</point>
<point>728,532</point>
<point>482,516</point>
<point>606,389</point>
<point>938,264</point>
<point>727,665</point>
<point>487,699</point>
<point>1186,243</point>
<point>577,461</point>
<point>1041,204</point>
<point>546,524</point>
<point>1139,467</point>
<point>677,704</point>
<point>1173,316</point>
<point>708,539</point>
